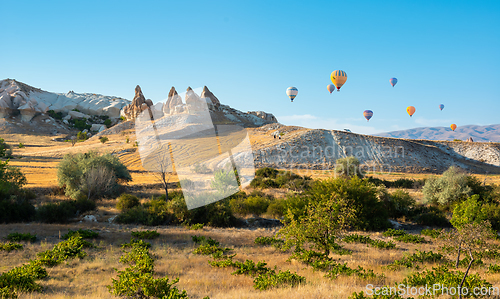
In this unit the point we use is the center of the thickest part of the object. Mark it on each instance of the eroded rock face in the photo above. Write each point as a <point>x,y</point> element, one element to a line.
<point>194,102</point>
<point>139,104</point>
<point>173,101</point>
<point>265,116</point>
<point>207,94</point>
<point>21,98</point>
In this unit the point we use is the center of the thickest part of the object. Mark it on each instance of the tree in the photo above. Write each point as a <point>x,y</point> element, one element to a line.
<point>470,238</point>
<point>324,220</point>
<point>348,167</point>
<point>5,150</point>
<point>451,187</point>
<point>76,171</point>
<point>98,180</point>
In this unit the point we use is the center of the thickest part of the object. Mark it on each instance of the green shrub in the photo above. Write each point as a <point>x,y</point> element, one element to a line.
<point>271,280</point>
<point>494,268</point>
<point>266,172</point>
<point>84,233</point>
<point>433,233</point>
<point>60,212</point>
<point>11,181</point>
<point>255,205</point>
<point>107,122</point>
<point>103,139</point>
<point>410,239</point>
<point>403,183</point>
<point>196,226</point>
<point>91,174</point>
<point>21,279</point>
<point>445,278</point>
<point>55,115</point>
<point>80,124</point>
<point>147,234</point>
<point>15,209</point>
<point>355,238</point>
<point>348,167</point>
<point>278,243</point>
<point>452,186</point>
<point>394,232</point>
<point>399,204</point>
<point>382,244</point>
<point>17,237</point>
<point>10,246</point>
<point>21,145</point>
<point>430,216</point>
<point>127,201</point>
<point>5,149</point>
<point>71,248</point>
<point>419,257</point>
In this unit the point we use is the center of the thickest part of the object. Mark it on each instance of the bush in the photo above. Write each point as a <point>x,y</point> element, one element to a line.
<point>21,145</point>
<point>399,204</point>
<point>411,261</point>
<point>80,124</point>
<point>348,167</point>
<point>11,181</point>
<point>17,237</point>
<point>196,226</point>
<point>81,136</point>
<point>84,233</point>
<point>255,205</point>
<point>16,210</point>
<point>63,211</point>
<point>147,234</point>
<point>5,150</point>
<point>103,139</point>
<point>266,172</point>
<point>107,122</point>
<point>433,233</point>
<point>91,174</point>
<point>274,280</point>
<point>10,246</point>
<point>127,201</point>
<point>451,187</point>
<point>71,248</point>
<point>55,115</point>
<point>430,216</point>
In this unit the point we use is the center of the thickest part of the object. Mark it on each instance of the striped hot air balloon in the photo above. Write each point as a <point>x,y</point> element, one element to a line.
<point>368,114</point>
<point>453,127</point>
<point>330,88</point>
<point>393,81</point>
<point>292,92</point>
<point>338,78</point>
<point>410,110</point>
<point>441,107</point>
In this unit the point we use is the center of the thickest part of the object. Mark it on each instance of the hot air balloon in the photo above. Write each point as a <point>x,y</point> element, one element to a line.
<point>410,110</point>
<point>368,114</point>
<point>441,107</point>
<point>338,78</point>
<point>330,88</point>
<point>453,127</point>
<point>393,81</point>
<point>292,92</point>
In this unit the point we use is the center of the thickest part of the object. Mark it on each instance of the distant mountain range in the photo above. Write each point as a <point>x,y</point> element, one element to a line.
<point>478,133</point>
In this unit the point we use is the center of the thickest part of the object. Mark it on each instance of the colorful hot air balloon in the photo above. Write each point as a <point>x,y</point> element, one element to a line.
<point>292,92</point>
<point>330,88</point>
<point>410,110</point>
<point>368,114</point>
<point>453,127</point>
<point>441,107</point>
<point>393,81</point>
<point>338,78</point>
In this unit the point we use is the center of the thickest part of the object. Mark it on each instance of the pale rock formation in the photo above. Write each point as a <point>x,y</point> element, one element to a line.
<point>265,116</point>
<point>173,101</point>
<point>138,105</point>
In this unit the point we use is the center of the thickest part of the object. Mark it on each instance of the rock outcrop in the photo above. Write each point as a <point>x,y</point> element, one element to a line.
<point>17,97</point>
<point>139,104</point>
<point>173,101</point>
<point>265,116</point>
<point>212,99</point>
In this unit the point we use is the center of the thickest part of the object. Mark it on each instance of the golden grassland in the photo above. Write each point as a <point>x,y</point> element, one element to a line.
<point>87,278</point>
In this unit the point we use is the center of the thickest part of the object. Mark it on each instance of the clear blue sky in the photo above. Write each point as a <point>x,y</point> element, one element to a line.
<point>249,52</point>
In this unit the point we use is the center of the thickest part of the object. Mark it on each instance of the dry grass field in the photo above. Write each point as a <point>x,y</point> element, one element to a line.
<point>87,278</point>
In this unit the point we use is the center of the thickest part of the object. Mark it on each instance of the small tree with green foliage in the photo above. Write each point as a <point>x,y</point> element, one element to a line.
<point>348,167</point>
<point>76,172</point>
<point>452,186</point>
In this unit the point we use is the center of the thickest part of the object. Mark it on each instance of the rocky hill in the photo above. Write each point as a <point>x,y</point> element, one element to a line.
<point>301,148</point>
<point>478,133</point>
<point>17,98</point>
